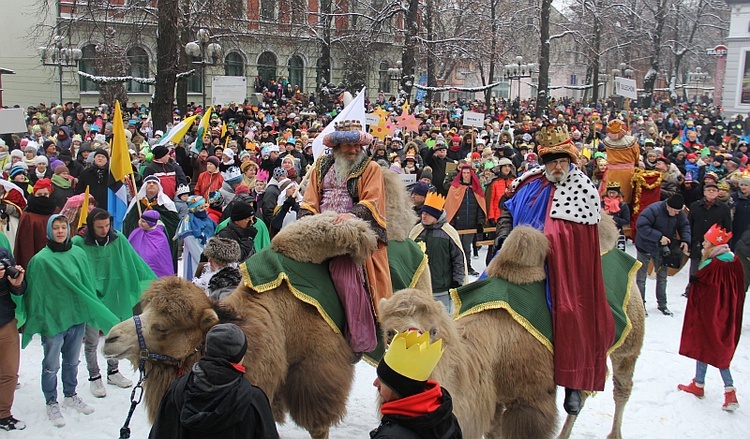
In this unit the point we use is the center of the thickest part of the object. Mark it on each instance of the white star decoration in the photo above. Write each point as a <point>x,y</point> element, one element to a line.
<point>720,238</point>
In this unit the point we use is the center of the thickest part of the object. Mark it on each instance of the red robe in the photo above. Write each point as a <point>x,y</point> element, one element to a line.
<point>713,316</point>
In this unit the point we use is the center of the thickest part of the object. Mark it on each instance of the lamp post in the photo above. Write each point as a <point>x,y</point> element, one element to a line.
<point>394,73</point>
<point>517,71</point>
<point>698,76</point>
<point>60,56</point>
<point>208,53</point>
<point>604,77</point>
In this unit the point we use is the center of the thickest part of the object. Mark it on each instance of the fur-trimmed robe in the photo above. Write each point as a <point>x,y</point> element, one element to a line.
<point>367,189</point>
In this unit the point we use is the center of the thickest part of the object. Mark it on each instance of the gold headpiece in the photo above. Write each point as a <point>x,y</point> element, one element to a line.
<point>435,201</point>
<point>615,126</point>
<point>411,354</point>
<point>723,185</point>
<point>348,125</point>
<point>613,185</point>
<point>555,139</point>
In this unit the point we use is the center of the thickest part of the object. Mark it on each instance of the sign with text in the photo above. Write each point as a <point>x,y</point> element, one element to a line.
<point>372,119</point>
<point>473,119</point>
<point>408,178</point>
<point>228,89</point>
<point>626,87</point>
<point>719,50</point>
<point>12,120</point>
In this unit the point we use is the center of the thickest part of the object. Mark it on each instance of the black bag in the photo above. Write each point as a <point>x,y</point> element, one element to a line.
<point>674,259</point>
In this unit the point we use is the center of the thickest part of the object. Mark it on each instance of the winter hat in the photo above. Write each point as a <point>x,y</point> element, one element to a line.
<point>426,173</point>
<point>719,158</point>
<point>226,340</point>
<point>421,188</point>
<point>16,153</point>
<point>439,145</point>
<point>213,160</point>
<point>506,161</point>
<point>531,157</point>
<point>65,155</point>
<point>100,151</point>
<point>38,160</point>
<point>408,362</point>
<point>241,189</point>
<point>151,217</point>
<point>476,156</point>
<point>215,199</point>
<point>244,166</point>
<point>160,151</point>
<point>710,179</point>
<point>745,178</point>
<point>43,183</point>
<point>194,202</point>
<point>60,169</point>
<point>229,153</point>
<point>182,189</point>
<point>51,220</point>
<point>241,211</point>
<point>223,251</point>
<point>279,173</point>
<point>232,175</point>
<point>717,235</point>
<point>30,148</point>
<point>692,155</point>
<point>15,170</point>
<point>676,202</point>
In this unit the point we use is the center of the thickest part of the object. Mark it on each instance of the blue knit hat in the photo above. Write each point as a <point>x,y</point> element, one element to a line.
<point>15,170</point>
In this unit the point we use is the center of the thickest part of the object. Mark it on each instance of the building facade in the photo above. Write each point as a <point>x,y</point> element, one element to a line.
<point>736,95</point>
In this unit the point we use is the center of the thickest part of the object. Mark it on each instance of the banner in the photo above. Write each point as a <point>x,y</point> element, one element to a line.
<point>473,119</point>
<point>228,89</point>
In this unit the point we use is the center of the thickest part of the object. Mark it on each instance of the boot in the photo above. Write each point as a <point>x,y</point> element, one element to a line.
<point>572,403</point>
<point>694,388</point>
<point>730,399</point>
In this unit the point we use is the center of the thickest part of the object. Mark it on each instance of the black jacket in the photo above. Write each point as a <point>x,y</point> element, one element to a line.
<point>655,222</point>
<point>97,180</point>
<point>444,257</point>
<point>470,214</point>
<point>702,217</point>
<point>243,237</point>
<point>439,424</point>
<point>213,404</point>
<point>7,306</point>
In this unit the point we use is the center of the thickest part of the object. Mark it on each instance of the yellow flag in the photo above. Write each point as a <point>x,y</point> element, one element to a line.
<point>119,164</point>
<point>84,209</point>
<point>405,108</point>
<point>223,128</point>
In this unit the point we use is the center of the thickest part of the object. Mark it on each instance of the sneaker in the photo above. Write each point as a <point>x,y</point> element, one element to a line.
<point>75,402</point>
<point>730,399</point>
<point>116,379</point>
<point>55,415</point>
<point>692,388</point>
<point>664,310</point>
<point>97,387</point>
<point>11,423</point>
<point>472,272</point>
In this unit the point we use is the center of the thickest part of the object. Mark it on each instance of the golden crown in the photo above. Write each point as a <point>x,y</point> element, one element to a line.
<point>615,126</point>
<point>553,135</point>
<point>412,355</point>
<point>434,200</point>
<point>348,125</point>
<point>613,185</point>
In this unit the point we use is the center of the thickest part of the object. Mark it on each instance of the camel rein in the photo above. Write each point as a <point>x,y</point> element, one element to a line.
<point>137,394</point>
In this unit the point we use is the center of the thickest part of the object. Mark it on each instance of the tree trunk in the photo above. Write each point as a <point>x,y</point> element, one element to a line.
<point>542,96</point>
<point>409,54</point>
<point>595,55</point>
<point>649,80</point>
<point>167,50</point>
<point>493,48</point>
<point>185,63</point>
<point>431,71</point>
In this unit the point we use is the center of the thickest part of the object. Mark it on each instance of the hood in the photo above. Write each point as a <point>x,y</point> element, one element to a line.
<point>440,222</point>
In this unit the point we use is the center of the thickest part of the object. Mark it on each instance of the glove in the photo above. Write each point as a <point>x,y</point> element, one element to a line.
<point>480,229</point>
<point>499,242</point>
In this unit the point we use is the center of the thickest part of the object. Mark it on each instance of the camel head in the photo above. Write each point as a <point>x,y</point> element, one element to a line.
<point>521,258</point>
<point>608,233</point>
<point>415,309</point>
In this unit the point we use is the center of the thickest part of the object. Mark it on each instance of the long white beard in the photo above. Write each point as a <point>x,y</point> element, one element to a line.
<point>343,166</point>
<point>557,178</point>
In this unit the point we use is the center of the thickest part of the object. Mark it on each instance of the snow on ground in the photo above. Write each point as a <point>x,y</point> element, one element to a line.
<point>656,408</point>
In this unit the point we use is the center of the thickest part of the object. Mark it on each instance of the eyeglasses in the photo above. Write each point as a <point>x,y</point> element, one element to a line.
<point>559,162</point>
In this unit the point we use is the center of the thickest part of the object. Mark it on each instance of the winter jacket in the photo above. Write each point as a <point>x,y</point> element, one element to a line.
<point>444,256</point>
<point>437,424</point>
<point>270,199</point>
<point>170,175</point>
<point>702,217</point>
<point>494,194</point>
<point>438,170</point>
<point>622,218</point>
<point>97,180</point>
<point>470,214</point>
<point>671,182</point>
<point>208,183</point>
<point>243,237</point>
<point>655,222</point>
<point>741,221</point>
<point>7,306</point>
<point>223,283</point>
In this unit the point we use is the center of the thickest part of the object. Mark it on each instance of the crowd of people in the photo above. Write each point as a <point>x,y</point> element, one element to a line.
<point>218,195</point>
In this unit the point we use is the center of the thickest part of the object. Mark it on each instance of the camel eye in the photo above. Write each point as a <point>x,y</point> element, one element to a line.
<point>433,332</point>
<point>159,329</point>
<point>390,334</point>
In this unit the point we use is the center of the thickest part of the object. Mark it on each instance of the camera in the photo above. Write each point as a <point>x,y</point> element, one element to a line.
<point>665,251</point>
<point>10,271</point>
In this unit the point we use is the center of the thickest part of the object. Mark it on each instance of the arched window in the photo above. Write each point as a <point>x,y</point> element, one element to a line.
<point>296,71</point>
<point>267,66</point>
<point>87,65</point>
<point>234,65</point>
<point>138,68</point>
<point>384,80</point>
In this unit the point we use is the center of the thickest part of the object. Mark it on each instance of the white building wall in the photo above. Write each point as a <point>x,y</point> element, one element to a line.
<point>738,50</point>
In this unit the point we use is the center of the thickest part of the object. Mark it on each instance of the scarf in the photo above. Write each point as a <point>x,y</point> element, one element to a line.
<point>612,205</point>
<point>61,182</point>
<point>58,247</point>
<point>718,250</point>
<point>41,205</point>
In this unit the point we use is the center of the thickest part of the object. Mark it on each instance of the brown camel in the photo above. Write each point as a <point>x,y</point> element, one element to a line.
<point>500,376</point>
<point>303,366</point>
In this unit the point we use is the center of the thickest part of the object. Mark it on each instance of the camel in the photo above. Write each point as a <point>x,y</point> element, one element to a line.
<point>500,376</point>
<point>304,367</point>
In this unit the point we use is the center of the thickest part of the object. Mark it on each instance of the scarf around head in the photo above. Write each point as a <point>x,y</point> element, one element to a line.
<point>51,243</point>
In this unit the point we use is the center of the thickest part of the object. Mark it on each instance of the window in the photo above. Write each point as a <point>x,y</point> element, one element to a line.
<point>267,66</point>
<point>234,65</point>
<point>299,11</point>
<point>268,10</point>
<point>296,71</point>
<point>87,65</point>
<point>573,79</point>
<point>138,68</point>
<point>384,80</point>
<point>194,84</point>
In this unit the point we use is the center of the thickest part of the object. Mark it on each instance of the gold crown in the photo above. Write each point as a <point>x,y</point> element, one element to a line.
<point>555,139</point>
<point>412,355</point>
<point>434,200</point>
<point>613,185</point>
<point>348,125</point>
<point>723,185</point>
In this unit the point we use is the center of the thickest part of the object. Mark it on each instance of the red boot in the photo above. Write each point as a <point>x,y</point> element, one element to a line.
<point>694,388</point>
<point>730,399</point>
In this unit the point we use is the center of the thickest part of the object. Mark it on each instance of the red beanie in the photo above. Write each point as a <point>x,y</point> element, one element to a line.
<point>43,183</point>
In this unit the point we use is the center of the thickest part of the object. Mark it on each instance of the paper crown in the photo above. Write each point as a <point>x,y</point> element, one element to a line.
<point>717,235</point>
<point>433,204</point>
<point>411,355</point>
<point>613,185</point>
<point>232,175</point>
<point>723,186</point>
<point>555,139</point>
<point>262,175</point>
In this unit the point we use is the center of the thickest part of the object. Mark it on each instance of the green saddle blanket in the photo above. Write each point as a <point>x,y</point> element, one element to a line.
<point>527,304</point>
<point>311,283</point>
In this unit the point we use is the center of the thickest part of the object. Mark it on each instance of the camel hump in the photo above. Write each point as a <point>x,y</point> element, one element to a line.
<point>315,238</point>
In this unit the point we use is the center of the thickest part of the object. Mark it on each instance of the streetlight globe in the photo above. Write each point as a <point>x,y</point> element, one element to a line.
<point>213,51</point>
<point>623,66</point>
<point>43,53</point>
<point>616,72</point>
<point>77,55</point>
<point>193,49</point>
<point>203,35</point>
<point>519,59</point>
<point>628,73</point>
<point>58,38</point>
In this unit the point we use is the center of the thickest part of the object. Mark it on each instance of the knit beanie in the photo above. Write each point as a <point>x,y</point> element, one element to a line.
<point>241,189</point>
<point>223,251</point>
<point>213,160</point>
<point>676,202</point>
<point>241,211</point>
<point>194,202</point>
<point>43,183</point>
<point>60,169</point>
<point>421,188</point>
<point>160,151</point>
<point>227,341</point>
<point>15,170</point>
<point>279,173</point>
<point>426,173</point>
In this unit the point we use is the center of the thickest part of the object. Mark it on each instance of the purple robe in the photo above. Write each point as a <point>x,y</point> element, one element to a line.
<point>152,246</point>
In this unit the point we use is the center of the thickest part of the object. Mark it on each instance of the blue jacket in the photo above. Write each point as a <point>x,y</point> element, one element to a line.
<point>655,222</point>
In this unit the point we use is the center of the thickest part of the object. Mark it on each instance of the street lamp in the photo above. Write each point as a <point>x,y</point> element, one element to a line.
<point>59,55</point>
<point>604,77</point>
<point>517,71</point>
<point>699,77</point>
<point>210,54</point>
<point>395,74</point>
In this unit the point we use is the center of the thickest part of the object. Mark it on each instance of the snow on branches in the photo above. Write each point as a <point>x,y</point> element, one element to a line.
<point>102,80</point>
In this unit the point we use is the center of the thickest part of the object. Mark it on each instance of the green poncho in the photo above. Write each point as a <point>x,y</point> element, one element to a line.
<point>120,275</point>
<point>4,243</point>
<point>61,293</point>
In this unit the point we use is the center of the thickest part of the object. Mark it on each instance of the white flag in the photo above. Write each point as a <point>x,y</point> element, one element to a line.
<point>354,111</point>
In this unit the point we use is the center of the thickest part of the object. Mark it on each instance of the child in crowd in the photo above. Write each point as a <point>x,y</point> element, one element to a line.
<point>149,240</point>
<point>180,200</point>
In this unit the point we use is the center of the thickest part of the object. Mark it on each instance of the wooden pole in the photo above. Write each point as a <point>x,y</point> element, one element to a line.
<point>137,201</point>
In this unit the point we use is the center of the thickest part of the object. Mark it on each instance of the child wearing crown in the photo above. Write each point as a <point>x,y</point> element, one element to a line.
<point>445,256</point>
<point>713,316</point>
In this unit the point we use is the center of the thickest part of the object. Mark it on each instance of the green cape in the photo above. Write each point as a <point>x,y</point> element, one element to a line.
<point>4,243</point>
<point>120,275</point>
<point>61,293</point>
<point>262,238</point>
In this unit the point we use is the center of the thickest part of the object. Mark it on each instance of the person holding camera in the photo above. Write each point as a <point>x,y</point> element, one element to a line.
<point>704,213</point>
<point>656,230</point>
<point>11,282</point>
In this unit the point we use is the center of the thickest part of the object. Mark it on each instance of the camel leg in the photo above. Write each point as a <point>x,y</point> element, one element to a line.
<point>570,421</point>
<point>527,419</point>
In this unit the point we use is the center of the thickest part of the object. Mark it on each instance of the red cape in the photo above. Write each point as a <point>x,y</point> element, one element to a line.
<point>31,237</point>
<point>713,316</point>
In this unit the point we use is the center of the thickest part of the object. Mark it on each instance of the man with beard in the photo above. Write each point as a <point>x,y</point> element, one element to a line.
<point>349,183</point>
<point>559,199</point>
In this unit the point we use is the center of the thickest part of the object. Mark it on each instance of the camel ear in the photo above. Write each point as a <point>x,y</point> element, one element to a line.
<point>209,320</point>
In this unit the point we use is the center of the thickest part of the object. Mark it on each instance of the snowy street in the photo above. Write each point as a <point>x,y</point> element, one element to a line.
<point>656,409</point>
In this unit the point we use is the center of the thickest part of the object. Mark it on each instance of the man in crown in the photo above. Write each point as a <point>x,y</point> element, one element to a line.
<point>348,182</point>
<point>559,199</point>
<point>413,407</point>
